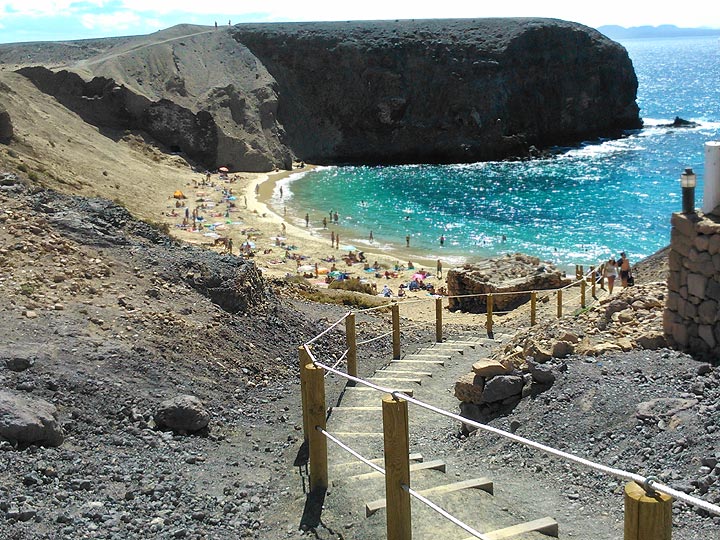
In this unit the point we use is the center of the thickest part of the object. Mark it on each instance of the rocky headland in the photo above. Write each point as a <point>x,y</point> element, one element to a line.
<point>254,97</point>
<point>465,90</point>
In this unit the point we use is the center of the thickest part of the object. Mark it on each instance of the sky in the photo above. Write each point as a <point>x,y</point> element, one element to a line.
<point>48,20</point>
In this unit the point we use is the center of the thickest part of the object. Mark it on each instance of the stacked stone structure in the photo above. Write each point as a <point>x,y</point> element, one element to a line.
<point>691,319</point>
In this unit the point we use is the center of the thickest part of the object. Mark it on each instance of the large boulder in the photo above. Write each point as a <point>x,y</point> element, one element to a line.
<point>510,274</point>
<point>25,421</point>
<point>184,414</point>
<point>502,387</point>
<point>469,388</point>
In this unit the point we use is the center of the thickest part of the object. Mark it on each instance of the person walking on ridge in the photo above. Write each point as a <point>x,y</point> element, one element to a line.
<point>624,265</point>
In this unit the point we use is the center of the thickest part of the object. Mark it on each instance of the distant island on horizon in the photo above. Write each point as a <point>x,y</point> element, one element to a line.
<point>662,31</point>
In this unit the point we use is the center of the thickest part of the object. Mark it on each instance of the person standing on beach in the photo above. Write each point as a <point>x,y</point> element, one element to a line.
<point>307,220</point>
<point>624,265</point>
<point>332,238</point>
<point>407,240</point>
<point>335,218</point>
<point>281,192</point>
<point>324,223</point>
<point>337,241</point>
<point>439,268</point>
<point>371,237</point>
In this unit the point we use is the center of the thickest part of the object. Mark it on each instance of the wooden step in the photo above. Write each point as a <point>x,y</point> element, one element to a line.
<point>437,465</point>
<point>475,483</point>
<point>346,434</point>
<point>426,350</point>
<point>407,391</point>
<point>405,372</point>
<point>341,408</point>
<point>546,525</point>
<point>387,380</point>
<point>412,457</point>
<point>413,361</point>
<point>423,356</point>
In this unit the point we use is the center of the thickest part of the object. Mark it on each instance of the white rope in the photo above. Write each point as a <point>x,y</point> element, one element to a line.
<point>444,513</point>
<point>383,306</point>
<point>321,334</point>
<point>336,364</point>
<point>386,334</point>
<point>648,482</point>
<point>350,450</point>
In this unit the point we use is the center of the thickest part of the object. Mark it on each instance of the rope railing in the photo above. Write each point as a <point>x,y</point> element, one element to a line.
<point>640,491</point>
<point>328,329</point>
<point>354,453</point>
<point>376,338</point>
<point>339,360</point>
<point>648,481</point>
<point>444,513</point>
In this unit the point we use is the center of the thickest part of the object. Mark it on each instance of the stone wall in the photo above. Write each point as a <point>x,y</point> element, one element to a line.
<point>691,320</point>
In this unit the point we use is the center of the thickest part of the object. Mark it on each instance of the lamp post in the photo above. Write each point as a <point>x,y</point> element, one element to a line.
<point>688,180</point>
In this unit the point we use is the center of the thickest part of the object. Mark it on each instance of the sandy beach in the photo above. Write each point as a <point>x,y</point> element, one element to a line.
<point>237,207</point>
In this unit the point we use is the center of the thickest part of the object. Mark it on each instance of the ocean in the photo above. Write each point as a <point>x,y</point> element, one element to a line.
<point>578,207</point>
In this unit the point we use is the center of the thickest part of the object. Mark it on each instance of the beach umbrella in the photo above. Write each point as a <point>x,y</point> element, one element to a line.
<point>223,169</point>
<point>306,268</point>
<point>348,247</point>
<point>419,276</point>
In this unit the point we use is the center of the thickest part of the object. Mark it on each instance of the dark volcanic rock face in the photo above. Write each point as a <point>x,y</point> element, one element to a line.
<point>443,90</point>
<point>104,103</point>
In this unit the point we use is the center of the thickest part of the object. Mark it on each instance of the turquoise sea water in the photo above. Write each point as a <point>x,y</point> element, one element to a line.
<point>577,207</point>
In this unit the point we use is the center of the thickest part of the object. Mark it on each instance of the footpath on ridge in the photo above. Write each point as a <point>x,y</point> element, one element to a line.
<point>356,419</point>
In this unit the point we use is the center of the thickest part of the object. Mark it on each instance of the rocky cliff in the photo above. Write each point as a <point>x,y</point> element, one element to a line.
<point>253,97</point>
<point>443,90</point>
<point>196,91</point>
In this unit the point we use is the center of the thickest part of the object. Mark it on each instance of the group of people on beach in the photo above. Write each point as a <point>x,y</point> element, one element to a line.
<point>614,267</point>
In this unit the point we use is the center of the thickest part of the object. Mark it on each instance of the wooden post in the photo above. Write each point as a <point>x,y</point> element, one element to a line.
<point>397,467</point>
<point>396,331</point>
<point>592,286</point>
<point>559,303</point>
<point>438,320</point>
<point>351,344</point>
<point>533,307</point>
<point>304,361</point>
<point>316,418</point>
<point>489,322</point>
<point>648,516</point>
<point>582,293</point>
